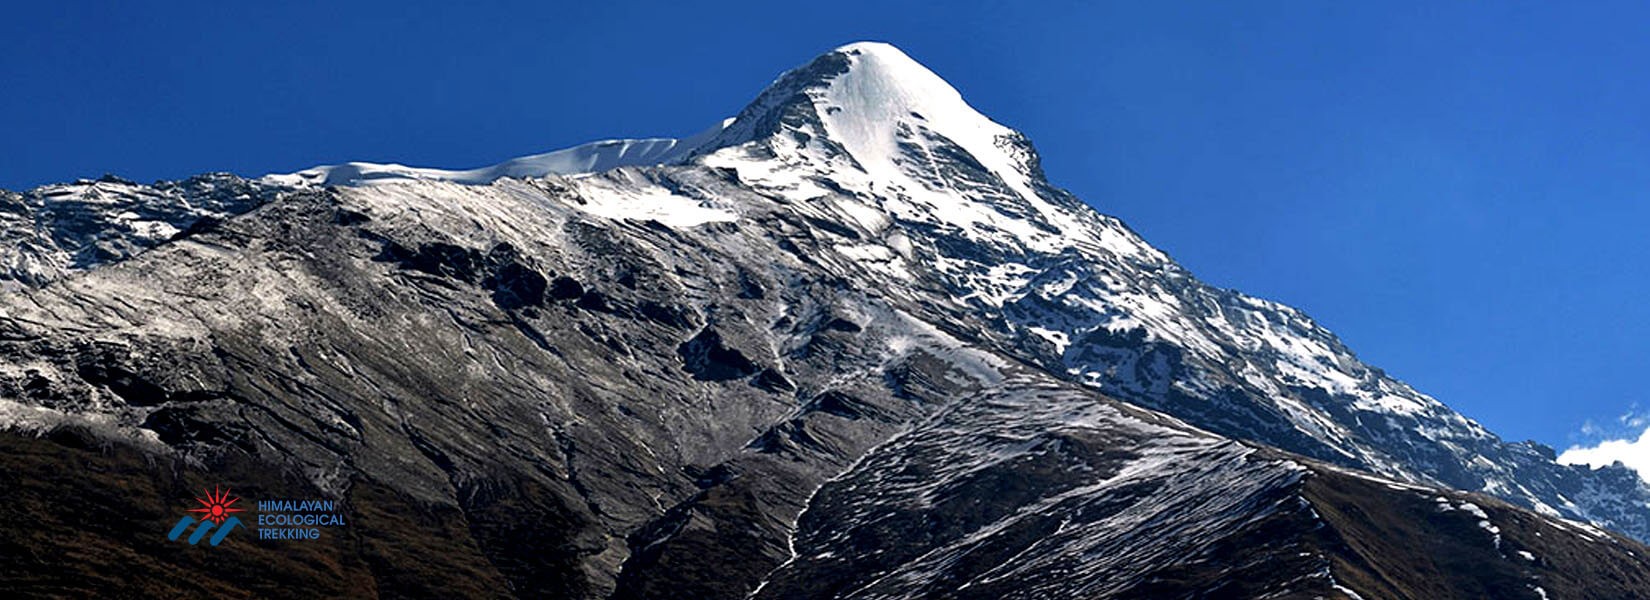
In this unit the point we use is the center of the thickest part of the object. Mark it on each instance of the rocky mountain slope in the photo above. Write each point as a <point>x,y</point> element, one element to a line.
<point>57,229</point>
<point>850,344</point>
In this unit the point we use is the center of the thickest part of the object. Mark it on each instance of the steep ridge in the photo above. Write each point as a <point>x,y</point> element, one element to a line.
<point>593,157</point>
<point>1084,296</point>
<point>852,345</point>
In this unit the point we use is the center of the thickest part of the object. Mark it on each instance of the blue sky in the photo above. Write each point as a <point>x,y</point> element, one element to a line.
<point>1459,190</point>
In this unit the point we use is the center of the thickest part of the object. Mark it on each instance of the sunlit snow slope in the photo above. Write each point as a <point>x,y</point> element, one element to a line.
<point>585,158</point>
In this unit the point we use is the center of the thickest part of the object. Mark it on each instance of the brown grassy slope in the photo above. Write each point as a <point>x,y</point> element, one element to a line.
<point>1388,543</point>
<point>84,518</point>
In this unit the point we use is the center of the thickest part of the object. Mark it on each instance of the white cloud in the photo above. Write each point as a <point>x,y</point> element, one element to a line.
<point>1633,453</point>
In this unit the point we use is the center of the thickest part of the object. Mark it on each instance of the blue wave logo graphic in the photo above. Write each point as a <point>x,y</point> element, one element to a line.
<point>205,528</point>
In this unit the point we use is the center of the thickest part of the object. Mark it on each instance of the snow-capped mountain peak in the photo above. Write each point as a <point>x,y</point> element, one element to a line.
<point>850,343</point>
<point>865,117</point>
<point>866,134</point>
<point>885,98</point>
<point>900,181</point>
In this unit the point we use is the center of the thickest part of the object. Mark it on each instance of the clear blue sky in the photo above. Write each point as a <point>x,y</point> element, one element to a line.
<point>1459,190</point>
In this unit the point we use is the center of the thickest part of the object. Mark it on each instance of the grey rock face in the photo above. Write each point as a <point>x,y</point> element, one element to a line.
<point>825,355</point>
<point>52,230</point>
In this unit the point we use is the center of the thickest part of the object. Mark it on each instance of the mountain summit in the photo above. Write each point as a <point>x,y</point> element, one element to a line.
<point>885,112</point>
<point>849,344</point>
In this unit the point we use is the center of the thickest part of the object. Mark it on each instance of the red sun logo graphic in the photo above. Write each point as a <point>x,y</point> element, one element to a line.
<point>216,505</point>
